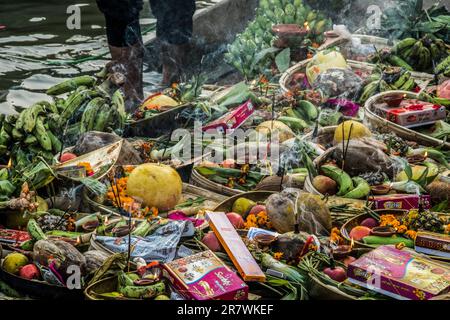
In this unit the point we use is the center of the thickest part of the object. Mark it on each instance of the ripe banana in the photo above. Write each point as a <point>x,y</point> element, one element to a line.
<point>343,180</point>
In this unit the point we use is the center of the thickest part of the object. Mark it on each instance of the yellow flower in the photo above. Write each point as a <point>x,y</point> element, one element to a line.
<point>278,255</point>
<point>411,234</point>
<point>402,229</point>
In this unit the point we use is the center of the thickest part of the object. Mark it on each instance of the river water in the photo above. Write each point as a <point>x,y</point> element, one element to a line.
<point>34,37</point>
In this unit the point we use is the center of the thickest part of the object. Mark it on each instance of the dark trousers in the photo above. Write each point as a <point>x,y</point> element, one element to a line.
<point>174,20</point>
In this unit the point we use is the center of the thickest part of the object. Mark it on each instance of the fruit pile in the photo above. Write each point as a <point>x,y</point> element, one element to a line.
<point>252,53</point>
<point>416,54</point>
<point>386,79</point>
<point>43,129</point>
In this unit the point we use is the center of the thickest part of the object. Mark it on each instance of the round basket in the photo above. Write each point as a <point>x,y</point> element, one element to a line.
<point>189,191</point>
<point>422,79</point>
<point>102,286</point>
<point>256,196</point>
<point>325,136</point>
<point>40,289</point>
<point>200,181</point>
<point>345,44</point>
<point>382,125</point>
<point>301,67</point>
<point>308,187</point>
<point>356,221</point>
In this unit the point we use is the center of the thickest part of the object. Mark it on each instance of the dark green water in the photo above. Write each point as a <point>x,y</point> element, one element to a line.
<point>36,32</point>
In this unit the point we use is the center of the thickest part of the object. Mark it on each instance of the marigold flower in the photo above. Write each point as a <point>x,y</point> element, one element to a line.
<point>278,255</point>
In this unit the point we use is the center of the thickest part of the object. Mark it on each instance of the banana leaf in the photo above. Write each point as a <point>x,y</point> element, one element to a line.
<point>283,60</point>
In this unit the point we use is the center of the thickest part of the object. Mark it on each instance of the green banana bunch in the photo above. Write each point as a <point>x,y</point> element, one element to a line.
<point>369,90</point>
<point>70,85</point>
<point>252,54</point>
<point>361,190</point>
<point>89,114</point>
<point>419,54</point>
<point>42,135</point>
<point>443,67</point>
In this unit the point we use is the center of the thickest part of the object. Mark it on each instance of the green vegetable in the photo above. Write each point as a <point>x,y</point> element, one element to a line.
<point>6,188</point>
<point>378,241</point>
<point>291,273</point>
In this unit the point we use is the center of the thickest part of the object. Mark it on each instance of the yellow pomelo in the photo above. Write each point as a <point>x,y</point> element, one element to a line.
<point>158,185</point>
<point>358,131</point>
<point>14,261</point>
<point>276,127</point>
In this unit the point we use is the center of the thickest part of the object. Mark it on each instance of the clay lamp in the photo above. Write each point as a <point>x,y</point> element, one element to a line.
<point>385,231</point>
<point>394,99</point>
<point>343,250</point>
<point>380,189</point>
<point>264,240</point>
<point>289,34</point>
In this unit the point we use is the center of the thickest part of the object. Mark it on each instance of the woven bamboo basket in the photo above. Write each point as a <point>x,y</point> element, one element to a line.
<point>325,136</point>
<point>383,125</point>
<point>189,192</point>
<point>343,42</point>
<point>98,159</point>
<point>200,181</point>
<point>317,162</point>
<point>256,196</point>
<point>355,221</point>
<point>333,200</point>
<point>422,79</point>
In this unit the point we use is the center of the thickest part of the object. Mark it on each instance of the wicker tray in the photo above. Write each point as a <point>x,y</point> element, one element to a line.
<point>256,196</point>
<point>355,221</point>
<point>325,136</point>
<point>200,181</point>
<point>421,78</point>
<point>343,43</point>
<point>189,191</point>
<point>383,125</point>
<point>106,156</point>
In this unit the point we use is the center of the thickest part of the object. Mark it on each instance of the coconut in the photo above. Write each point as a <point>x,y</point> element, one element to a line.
<point>157,185</point>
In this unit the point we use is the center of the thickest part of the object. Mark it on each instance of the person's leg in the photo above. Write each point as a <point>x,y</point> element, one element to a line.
<point>174,29</point>
<point>125,45</point>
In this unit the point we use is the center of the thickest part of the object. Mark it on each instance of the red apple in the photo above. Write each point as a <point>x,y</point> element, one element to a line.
<point>67,156</point>
<point>211,241</point>
<point>337,273</point>
<point>29,271</point>
<point>236,220</point>
<point>257,209</point>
